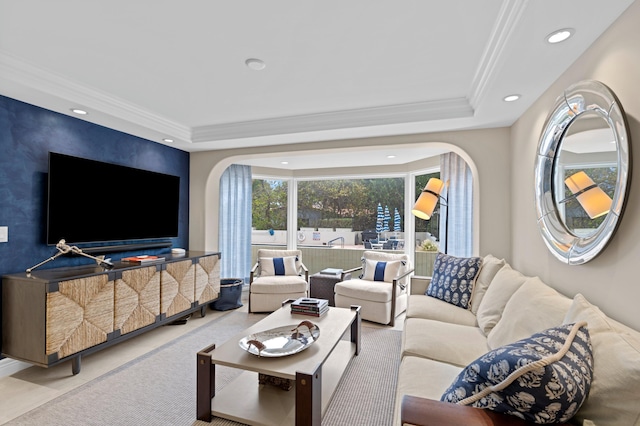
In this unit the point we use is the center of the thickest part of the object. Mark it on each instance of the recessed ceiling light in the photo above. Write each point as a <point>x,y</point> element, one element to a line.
<point>511,98</point>
<point>391,156</point>
<point>255,64</point>
<point>284,162</point>
<point>168,140</point>
<point>560,35</point>
<point>79,111</point>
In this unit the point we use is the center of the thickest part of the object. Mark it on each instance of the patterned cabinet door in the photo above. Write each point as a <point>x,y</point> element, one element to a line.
<point>177,287</point>
<point>137,298</point>
<point>207,279</point>
<point>79,315</point>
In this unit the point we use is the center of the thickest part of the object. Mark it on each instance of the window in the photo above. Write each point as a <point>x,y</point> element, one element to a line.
<point>269,212</point>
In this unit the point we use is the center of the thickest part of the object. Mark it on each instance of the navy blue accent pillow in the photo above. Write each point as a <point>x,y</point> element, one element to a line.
<point>278,266</point>
<point>543,379</point>
<point>453,279</point>
<point>378,275</point>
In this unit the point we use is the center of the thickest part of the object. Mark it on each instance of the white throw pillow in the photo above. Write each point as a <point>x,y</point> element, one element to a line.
<point>381,270</point>
<point>270,266</point>
<point>534,307</point>
<point>502,287</point>
<point>613,399</point>
<point>490,267</point>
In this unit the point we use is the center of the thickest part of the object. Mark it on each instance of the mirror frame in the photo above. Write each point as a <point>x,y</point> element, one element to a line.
<point>584,96</point>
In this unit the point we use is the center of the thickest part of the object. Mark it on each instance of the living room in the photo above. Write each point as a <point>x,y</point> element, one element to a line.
<point>502,160</point>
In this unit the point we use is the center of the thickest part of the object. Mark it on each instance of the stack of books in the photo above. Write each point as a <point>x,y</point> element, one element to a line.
<point>138,260</point>
<point>310,306</point>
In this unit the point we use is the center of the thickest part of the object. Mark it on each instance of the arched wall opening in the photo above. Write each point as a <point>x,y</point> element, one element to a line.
<point>206,238</point>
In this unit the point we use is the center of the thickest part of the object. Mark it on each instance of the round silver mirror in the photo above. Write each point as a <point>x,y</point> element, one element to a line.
<point>582,172</point>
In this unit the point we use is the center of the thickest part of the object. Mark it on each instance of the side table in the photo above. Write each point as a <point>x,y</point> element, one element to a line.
<point>321,286</point>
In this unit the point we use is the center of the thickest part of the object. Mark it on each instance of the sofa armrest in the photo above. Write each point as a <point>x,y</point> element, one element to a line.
<point>306,272</point>
<point>428,412</point>
<point>419,284</point>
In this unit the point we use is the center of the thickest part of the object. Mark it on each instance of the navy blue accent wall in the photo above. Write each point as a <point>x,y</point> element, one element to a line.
<point>27,134</point>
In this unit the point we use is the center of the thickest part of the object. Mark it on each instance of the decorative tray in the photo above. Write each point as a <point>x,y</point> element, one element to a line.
<point>281,341</point>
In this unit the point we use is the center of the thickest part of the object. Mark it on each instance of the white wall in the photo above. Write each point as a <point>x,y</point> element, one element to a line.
<point>486,151</point>
<point>611,279</point>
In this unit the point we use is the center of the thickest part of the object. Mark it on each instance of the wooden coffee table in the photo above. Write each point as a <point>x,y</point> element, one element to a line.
<point>315,372</point>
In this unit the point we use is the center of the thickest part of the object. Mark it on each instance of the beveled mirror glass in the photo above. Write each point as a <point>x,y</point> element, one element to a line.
<point>582,172</point>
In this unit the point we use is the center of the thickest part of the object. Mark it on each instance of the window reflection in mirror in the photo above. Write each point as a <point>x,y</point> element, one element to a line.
<point>585,174</point>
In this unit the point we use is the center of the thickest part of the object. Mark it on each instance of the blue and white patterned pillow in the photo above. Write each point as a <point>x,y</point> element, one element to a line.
<point>543,379</point>
<point>453,279</point>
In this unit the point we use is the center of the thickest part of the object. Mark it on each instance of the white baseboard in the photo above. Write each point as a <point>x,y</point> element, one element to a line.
<point>11,366</point>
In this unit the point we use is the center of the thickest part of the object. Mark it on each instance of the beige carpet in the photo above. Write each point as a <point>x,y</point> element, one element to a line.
<point>159,387</point>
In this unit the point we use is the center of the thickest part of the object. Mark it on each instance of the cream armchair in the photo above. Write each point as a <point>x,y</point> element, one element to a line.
<point>381,291</point>
<point>278,275</point>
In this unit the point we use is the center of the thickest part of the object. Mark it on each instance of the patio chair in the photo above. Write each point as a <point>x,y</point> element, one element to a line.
<point>278,275</point>
<point>381,290</point>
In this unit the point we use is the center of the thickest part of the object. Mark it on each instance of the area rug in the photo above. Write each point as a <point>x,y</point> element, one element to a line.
<point>158,388</point>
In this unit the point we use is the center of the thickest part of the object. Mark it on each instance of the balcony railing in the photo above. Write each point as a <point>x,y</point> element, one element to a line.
<point>319,258</point>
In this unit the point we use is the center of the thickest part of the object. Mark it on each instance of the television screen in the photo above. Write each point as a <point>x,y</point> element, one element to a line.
<point>91,201</point>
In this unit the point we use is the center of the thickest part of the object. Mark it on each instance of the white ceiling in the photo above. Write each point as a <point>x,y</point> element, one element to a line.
<point>334,69</point>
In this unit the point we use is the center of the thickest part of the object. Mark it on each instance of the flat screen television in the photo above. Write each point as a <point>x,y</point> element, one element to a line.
<point>91,201</point>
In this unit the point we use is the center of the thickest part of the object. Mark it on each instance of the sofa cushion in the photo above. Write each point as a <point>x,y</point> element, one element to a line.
<point>422,377</point>
<point>543,379</point>
<point>441,341</point>
<point>270,266</point>
<point>421,306</point>
<point>490,267</point>
<point>616,378</point>
<point>533,307</point>
<point>453,279</point>
<point>502,287</point>
<point>380,270</point>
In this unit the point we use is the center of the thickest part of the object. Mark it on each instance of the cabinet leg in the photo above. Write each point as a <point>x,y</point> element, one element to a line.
<point>203,311</point>
<point>76,365</point>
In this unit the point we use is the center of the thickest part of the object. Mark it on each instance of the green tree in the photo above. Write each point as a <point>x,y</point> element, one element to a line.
<point>269,207</point>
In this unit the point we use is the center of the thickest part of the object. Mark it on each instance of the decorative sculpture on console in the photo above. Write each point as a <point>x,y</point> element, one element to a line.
<point>64,248</point>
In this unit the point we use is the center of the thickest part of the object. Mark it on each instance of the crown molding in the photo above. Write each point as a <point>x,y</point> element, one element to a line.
<point>509,17</point>
<point>363,117</point>
<point>43,82</point>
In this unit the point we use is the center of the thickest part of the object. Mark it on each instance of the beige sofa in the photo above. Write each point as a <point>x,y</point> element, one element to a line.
<point>440,339</point>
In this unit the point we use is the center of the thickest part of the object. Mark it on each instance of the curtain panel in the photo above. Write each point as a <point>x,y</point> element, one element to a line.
<point>459,229</point>
<point>235,222</point>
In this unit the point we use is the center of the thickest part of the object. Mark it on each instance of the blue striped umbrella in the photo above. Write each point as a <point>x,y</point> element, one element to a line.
<point>396,220</point>
<point>379,219</point>
<point>387,218</point>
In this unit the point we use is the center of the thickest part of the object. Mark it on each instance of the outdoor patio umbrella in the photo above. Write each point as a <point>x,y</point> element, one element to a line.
<point>396,220</point>
<point>379,219</point>
<point>387,218</point>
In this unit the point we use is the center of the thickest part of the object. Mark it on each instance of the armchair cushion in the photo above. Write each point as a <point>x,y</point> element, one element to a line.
<point>544,378</point>
<point>281,285</point>
<point>364,290</point>
<point>271,266</point>
<point>381,270</point>
<point>453,279</point>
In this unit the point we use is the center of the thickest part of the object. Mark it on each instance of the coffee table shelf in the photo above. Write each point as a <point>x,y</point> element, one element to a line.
<point>315,372</point>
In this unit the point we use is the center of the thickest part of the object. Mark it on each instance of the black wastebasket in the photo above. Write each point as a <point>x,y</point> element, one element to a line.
<point>230,294</point>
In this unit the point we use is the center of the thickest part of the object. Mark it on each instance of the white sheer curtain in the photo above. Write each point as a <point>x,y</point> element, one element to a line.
<point>457,175</point>
<point>234,222</point>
